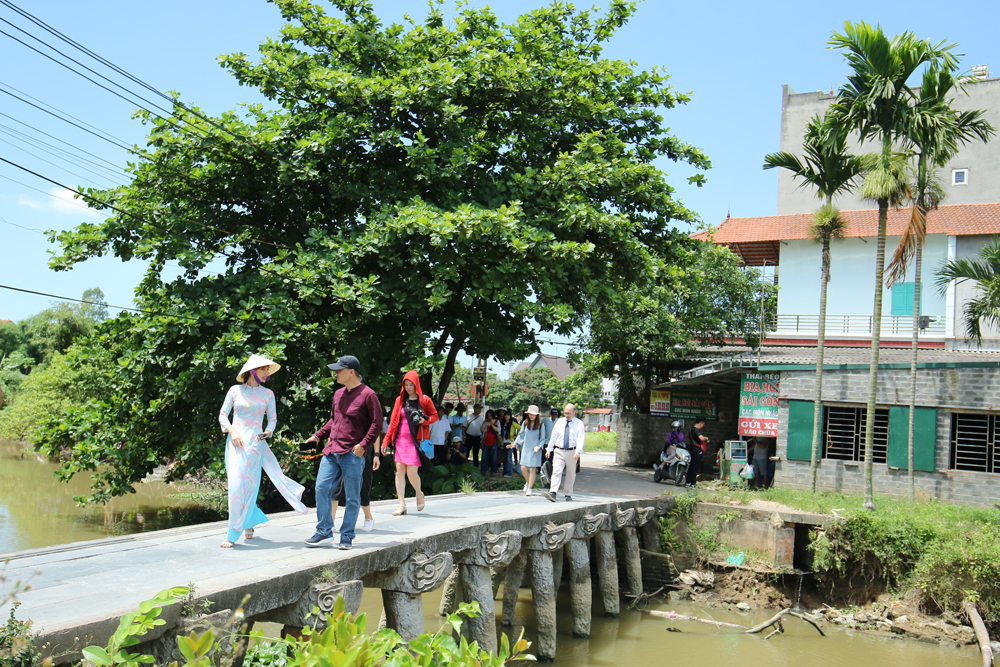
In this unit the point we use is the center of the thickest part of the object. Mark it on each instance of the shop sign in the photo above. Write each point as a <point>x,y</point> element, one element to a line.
<point>659,403</point>
<point>759,404</point>
<point>690,406</point>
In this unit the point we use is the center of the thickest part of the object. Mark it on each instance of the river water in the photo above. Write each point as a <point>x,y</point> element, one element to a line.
<point>37,510</point>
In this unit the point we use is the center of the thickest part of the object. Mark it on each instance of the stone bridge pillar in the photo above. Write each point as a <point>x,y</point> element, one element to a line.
<point>494,551</point>
<point>512,586</point>
<point>640,516</point>
<point>578,553</point>
<point>319,594</point>
<point>543,587</point>
<point>402,587</point>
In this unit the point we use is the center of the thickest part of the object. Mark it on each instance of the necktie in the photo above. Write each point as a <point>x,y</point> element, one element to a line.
<point>566,436</point>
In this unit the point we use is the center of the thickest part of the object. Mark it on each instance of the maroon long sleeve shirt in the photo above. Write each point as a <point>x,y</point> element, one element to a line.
<point>355,419</point>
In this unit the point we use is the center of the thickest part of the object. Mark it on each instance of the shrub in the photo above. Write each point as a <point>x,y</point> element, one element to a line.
<point>17,642</point>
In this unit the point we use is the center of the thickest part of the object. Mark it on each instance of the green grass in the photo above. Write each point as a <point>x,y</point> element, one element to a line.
<point>600,442</point>
<point>948,552</point>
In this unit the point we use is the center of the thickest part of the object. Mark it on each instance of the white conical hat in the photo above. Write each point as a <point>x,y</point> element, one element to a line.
<point>257,361</point>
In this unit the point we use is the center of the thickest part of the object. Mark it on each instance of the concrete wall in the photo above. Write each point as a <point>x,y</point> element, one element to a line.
<point>950,390</point>
<point>982,160</point>
<point>852,277</point>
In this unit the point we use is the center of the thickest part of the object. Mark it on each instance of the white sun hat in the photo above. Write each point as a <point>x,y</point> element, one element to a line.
<point>256,361</point>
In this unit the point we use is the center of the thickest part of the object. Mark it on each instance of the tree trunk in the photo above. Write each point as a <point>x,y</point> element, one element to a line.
<point>883,215</point>
<point>918,260</point>
<point>820,343</point>
<point>449,367</point>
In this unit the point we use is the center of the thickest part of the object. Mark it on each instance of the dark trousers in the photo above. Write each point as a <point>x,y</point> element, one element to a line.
<point>366,482</point>
<point>489,460</point>
<point>760,471</point>
<point>474,442</point>
<point>695,467</point>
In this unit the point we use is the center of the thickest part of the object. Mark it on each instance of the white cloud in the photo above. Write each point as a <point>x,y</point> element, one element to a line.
<point>61,201</point>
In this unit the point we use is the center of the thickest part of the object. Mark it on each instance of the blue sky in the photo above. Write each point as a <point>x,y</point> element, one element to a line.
<point>733,57</point>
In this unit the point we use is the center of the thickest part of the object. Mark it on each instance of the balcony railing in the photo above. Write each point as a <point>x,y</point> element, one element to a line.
<point>859,325</point>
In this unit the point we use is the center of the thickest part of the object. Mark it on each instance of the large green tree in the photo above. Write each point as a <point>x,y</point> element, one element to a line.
<point>876,103</point>
<point>831,169</point>
<point>706,298</point>
<point>411,191</point>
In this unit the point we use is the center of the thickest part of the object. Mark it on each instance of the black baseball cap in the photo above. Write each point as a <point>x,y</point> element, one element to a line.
<point>346,362</point>
<point>554,411</point>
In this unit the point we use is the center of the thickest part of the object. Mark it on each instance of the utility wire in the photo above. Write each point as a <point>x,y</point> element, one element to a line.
<point>49,194</point>
<point>116,168</point>
<point>60,153</point>
<point>38,157</point>
<point>114,142</point>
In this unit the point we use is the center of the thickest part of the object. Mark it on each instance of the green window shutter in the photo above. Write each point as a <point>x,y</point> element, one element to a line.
<point>924,438</point>
<point>800,430</point>
<point>902,299</point>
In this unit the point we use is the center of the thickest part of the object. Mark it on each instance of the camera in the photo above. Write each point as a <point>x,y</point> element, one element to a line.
<point>417,415</point>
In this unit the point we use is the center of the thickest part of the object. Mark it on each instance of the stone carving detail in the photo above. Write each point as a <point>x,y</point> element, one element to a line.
<point>495,549</point>
<point>426,572</point>
<point>664,505</point>
<point>551,537</point>
<point>622,518</point>
<point>589,525</point>
<point>319,594</point>
<point>643,515</point>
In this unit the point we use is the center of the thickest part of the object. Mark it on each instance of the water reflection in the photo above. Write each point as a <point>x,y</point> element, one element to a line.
<point>37,510</point>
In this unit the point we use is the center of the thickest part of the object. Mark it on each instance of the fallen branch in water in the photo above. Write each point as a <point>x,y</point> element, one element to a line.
<point>982,636</point>
<point>781,614</point>
<point>673,616</point>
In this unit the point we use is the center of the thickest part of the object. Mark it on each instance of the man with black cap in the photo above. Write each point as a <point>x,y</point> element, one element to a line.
<point>355,423</point>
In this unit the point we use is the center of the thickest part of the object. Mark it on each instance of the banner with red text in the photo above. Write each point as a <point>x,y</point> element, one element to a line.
<point>759,404</point>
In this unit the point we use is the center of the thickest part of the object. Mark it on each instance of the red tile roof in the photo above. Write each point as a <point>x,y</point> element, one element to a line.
<point>953,220</point>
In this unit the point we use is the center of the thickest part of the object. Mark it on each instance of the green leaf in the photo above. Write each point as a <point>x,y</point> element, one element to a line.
<point>97,655</point>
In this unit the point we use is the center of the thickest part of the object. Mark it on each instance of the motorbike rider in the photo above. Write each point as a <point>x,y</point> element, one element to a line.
<point>674,439</point>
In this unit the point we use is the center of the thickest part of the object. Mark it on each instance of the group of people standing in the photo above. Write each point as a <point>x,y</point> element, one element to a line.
<point>356,436</point>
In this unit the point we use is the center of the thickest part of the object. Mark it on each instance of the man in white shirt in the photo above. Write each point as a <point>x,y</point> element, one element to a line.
<point>565,446</point>
<point>440,432</point>
<point>474,433</point>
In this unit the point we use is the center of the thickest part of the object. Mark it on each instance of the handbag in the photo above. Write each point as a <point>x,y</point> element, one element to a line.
<point>747,472</point>
<point>427,447</point>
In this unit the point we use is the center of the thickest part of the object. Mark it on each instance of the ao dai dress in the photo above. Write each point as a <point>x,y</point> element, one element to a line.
<point>527,440</point>
<point>243,464</point>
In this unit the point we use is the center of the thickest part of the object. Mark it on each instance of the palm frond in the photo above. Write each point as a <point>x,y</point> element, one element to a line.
<point>827,224</point>
<point>913,236</point>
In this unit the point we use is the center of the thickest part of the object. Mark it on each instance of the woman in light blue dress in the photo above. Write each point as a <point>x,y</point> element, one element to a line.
<point>247,451</point>
<point>531,440</point>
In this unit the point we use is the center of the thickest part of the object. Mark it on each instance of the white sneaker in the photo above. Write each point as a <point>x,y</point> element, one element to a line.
<point>527,491</point>
<point>369,525</point>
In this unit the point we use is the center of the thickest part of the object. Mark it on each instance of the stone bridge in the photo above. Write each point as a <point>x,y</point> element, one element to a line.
<point>468,544</point>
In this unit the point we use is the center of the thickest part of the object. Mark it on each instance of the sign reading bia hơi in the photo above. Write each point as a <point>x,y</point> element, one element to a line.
<point>759,404</point>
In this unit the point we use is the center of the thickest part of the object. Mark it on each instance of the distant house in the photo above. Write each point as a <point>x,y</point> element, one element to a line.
<point>558,365</point>
<point>598,419</point>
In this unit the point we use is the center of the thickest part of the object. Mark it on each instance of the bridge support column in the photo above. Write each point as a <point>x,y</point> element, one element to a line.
<point>404,613</point>
<point>578,553</point>
<point>449,595</point>
<point>512,587</point>
<point>402,587</point>
<point>633,566</point>
<point>540,550</point>
<point>651,535</point>
<point>496,576</point>
<point>321,594</point>
<point>558,557</point>
<point>607,572</point>
<point>477,578</point>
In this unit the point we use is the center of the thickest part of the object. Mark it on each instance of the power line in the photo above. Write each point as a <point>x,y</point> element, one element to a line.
<point>62,141</point>
<point>37,157</point>
<point>49,194</point>
<point>61,153</point>
<point>112,141</point>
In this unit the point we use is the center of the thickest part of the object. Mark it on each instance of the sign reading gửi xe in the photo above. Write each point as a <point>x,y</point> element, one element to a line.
<point>759,404</point>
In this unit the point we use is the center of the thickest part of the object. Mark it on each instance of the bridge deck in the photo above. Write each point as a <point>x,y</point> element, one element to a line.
<point>80,590</point>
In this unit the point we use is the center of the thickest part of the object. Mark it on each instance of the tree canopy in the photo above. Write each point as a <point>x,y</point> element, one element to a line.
<point>413,190</point>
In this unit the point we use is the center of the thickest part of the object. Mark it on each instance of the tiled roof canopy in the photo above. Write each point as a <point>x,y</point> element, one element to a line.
<point>757,239</point>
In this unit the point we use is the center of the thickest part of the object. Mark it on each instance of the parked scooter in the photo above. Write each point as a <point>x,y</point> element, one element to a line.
<point>673,468</point>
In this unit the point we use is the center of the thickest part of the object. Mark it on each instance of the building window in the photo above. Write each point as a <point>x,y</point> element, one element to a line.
<point>844,434</point>
<point>959,176</point>
<point>972,442</point>
<point>902,298</point>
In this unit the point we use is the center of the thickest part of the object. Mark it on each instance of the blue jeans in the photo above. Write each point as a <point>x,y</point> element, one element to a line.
<point>333,469</point>
<point>489,460</point>
<point>508,461</point>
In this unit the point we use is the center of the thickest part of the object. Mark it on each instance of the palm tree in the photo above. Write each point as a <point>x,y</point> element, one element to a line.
<point>985,270</point>
<point>828,167</point>
<point>935,132</point>
<point>876,103</point>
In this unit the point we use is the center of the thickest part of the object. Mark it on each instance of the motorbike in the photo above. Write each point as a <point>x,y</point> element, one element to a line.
<point>673,468</point>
